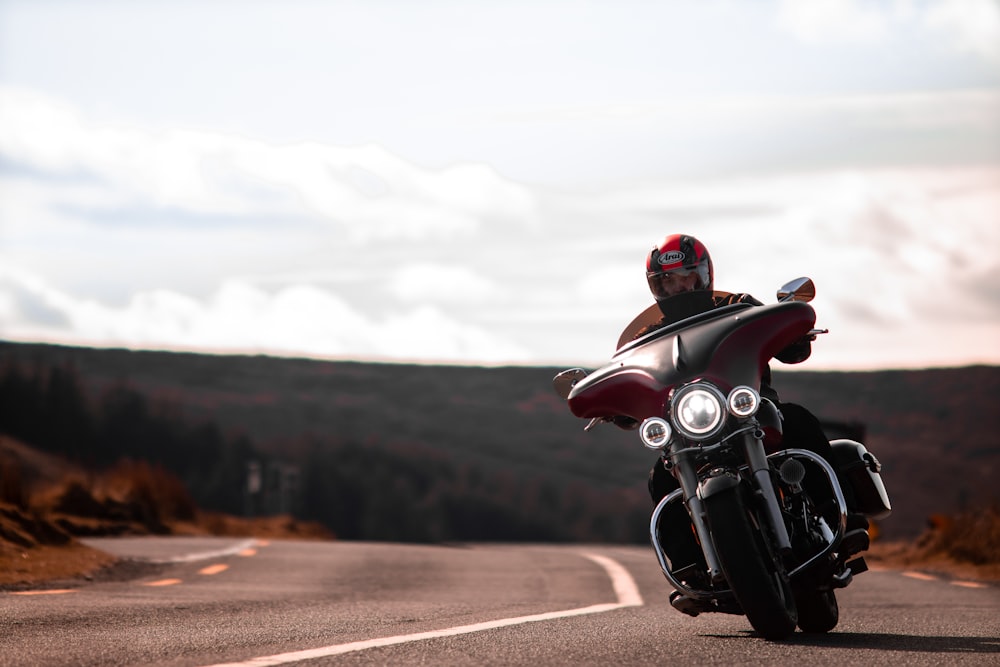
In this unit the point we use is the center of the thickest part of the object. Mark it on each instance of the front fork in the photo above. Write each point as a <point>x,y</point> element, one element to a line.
<point>753,449</point>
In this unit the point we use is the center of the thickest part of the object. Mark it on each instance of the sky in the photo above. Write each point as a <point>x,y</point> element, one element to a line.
<point>480,182</point>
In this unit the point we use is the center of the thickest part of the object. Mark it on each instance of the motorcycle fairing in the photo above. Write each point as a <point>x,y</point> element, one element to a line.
<point>728,346</point>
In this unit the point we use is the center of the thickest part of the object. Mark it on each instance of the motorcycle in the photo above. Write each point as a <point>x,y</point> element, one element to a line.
<point>769,520</point>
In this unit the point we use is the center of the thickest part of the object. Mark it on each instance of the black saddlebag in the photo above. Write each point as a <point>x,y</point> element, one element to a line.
<point>859,468</point>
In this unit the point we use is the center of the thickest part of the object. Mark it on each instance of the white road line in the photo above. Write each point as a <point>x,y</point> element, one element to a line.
<point>205,555</point>
<point>624,586</point>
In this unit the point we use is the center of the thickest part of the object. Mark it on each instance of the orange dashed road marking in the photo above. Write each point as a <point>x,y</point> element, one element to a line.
<point>213,569</point>
<point>163,582</point>
<point>263,543</point>
<point>56,591</point>
<point>919,575</point>
<point>968,584</point>
<point>247,552</point>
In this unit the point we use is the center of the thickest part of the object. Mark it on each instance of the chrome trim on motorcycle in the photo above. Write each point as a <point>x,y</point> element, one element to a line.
<point>698,410</point>
<point>707,449</point>
<point>838,496</point>
<point>833,535</point>
<point>655,433</point>
<point>743,401</point>
<point>661,556</point>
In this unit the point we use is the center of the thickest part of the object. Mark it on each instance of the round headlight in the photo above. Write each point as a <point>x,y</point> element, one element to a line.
<point>697,411</point>
<point>655,433</point>
<point>743,401</point>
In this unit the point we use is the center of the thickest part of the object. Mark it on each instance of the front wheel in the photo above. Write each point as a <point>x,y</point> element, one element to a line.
<point>757,579</point>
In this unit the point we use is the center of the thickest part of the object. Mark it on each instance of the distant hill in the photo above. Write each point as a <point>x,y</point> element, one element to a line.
<point>934,430</point>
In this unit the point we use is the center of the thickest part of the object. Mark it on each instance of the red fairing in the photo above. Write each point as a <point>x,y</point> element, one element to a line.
<point>628,392</point>
<point>727,347</point>
<point>735,361</point>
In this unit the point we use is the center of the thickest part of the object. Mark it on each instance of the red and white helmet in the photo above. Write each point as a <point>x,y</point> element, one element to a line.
<point>678,258</point>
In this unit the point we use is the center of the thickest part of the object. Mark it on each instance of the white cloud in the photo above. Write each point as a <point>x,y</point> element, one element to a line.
<point>904,250</point>
<point>898,257</point>
<point>296,320</point>
<point>968,26</point>
<point>822,21</point>
<point>608,284</point>
<point>365,190</point>
<point>972,25</point>
<point>122,235</point>
<point>420,283</point>
<point>427,333</point>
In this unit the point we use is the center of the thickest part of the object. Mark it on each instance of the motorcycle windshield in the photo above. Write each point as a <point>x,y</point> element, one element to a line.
<point>727,345</point>
<point>672,310</point>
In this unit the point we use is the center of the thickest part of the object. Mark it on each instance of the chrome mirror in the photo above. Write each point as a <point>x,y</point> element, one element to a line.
<point>564,382</point>
<point>800,289</point>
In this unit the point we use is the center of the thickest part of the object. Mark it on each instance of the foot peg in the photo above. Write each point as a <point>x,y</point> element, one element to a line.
<point>858,565</point>
<point>851,568</point>
<point>686,605</point>
<point>854,541</point>
<point>693,607</point>
<point>842,579</point>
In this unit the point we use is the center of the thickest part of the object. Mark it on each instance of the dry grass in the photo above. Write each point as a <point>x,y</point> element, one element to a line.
<point>265,527</point>
<point>20,567</point>
<point>965,545</point>
<point>41,517</point>
<point>130,499</point>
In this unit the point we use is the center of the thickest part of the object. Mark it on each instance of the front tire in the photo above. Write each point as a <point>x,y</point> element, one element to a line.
<point>758,580</point>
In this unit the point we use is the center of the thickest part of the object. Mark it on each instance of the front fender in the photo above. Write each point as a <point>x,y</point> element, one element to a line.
<point>717,483</point>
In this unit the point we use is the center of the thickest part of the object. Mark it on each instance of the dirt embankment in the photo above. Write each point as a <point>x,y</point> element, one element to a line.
<point>965,545</point>
<point>46,504</point>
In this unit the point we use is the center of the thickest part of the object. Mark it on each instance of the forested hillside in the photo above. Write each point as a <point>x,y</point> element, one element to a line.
<point>437,453</point>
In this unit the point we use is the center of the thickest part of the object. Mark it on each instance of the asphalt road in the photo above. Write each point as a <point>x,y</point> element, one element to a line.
<point>213,601</point>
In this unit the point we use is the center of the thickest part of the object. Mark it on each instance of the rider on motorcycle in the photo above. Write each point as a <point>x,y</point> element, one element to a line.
<point>681,263</point>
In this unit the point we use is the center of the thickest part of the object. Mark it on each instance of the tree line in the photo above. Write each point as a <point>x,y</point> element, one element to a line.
<point>362,485</point>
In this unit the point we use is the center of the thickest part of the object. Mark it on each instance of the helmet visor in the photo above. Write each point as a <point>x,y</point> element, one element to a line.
<point>665,284</point>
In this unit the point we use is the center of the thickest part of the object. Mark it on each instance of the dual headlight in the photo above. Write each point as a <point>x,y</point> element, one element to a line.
<point>698,411</point>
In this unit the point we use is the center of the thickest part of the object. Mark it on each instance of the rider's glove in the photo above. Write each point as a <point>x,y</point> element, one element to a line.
<point>798,351</point>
